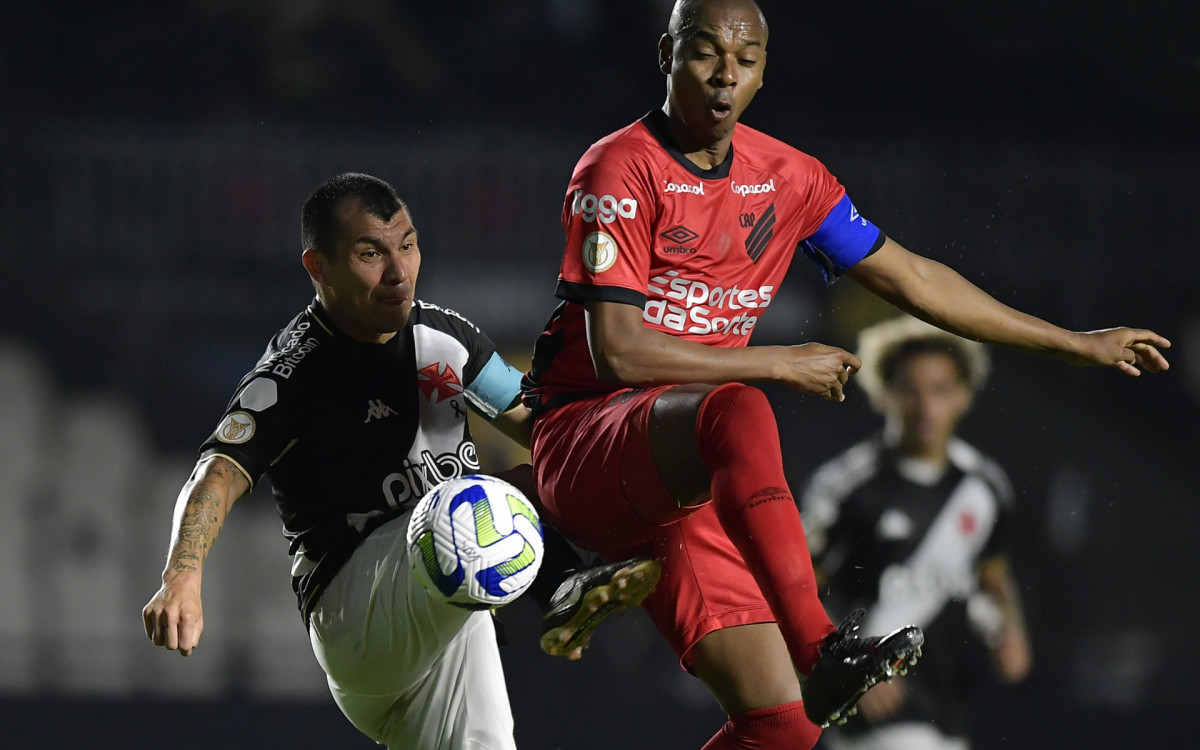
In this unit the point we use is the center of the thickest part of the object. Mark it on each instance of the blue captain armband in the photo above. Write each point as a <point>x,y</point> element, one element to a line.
<point>496,389</point>
<point>842,240</point>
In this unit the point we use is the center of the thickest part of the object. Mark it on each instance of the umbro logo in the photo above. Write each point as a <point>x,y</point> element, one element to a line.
<point>680,236</point>
<point>376,409</point>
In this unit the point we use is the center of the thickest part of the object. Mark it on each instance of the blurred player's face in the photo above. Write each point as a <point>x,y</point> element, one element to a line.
<point>714,67</point>
<point>368,285</point>
<point>924,403</point>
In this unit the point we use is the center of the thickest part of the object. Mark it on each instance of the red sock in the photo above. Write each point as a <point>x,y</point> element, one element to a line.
<point>771,728</point>
<point>739,442</point>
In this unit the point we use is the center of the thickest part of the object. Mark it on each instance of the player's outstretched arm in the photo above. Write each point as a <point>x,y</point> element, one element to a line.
<point>174,617</point>
<point>939,295</point>
<point>626,352</point>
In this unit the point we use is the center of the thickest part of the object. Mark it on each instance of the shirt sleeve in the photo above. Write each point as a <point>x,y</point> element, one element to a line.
<point>608,216</point>
<point>843,239</point>
<point>253,432</point>
<point>1000,540</point>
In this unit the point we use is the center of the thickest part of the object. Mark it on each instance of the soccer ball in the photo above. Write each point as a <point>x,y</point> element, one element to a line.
<point>476,541</point>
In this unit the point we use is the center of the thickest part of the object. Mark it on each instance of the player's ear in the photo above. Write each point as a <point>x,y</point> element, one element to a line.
<point>665,43</point>
<point>314,263</point>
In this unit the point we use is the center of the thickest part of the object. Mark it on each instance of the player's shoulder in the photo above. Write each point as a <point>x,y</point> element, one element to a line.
<point>429,315</point>
<point>434,327</point>
<point>768,152</point>
<point>625,148</point>
<point>296,351</point>
<point>840,476</point>
<point>970,460</point>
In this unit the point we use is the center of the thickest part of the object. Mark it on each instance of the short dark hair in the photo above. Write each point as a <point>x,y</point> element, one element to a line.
<point>886,346</point>
<point>319,225</point>
<point>902,351</point>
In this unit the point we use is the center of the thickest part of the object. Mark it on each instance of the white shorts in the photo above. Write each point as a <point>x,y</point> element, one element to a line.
<point>899,736</point>
<point>408,669</point>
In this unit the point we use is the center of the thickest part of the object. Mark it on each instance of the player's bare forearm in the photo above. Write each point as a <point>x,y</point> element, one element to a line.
<point>200,513</point>
<point>174,616</point>
<point>627,353</point>
<point>1011,652</point>
<point>939,295</point>
<point>516,425</point>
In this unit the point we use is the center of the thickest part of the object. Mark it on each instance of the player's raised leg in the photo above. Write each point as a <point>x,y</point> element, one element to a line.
<point>728,436</point>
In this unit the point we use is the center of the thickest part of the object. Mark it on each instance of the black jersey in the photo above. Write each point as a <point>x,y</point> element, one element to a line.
<point>352,434</point>
<point>905,541</point>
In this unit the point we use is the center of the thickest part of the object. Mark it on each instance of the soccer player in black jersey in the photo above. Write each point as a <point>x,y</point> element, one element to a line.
<point>356,409</point>
<point>912,525</point>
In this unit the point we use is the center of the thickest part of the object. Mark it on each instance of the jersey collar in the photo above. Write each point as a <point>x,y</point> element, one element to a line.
<point>656,122</point>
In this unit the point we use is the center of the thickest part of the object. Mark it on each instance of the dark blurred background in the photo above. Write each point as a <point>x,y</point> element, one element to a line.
<point>153,158</point>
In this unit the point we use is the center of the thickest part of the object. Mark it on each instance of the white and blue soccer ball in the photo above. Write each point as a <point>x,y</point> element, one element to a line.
<point>476,541</point>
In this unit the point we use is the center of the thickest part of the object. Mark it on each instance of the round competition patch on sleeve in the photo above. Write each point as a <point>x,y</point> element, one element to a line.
<point>599,252</point>
<point>236,428</point>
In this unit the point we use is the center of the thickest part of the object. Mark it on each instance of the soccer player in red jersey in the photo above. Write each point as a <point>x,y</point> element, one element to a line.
<point>646,438</point>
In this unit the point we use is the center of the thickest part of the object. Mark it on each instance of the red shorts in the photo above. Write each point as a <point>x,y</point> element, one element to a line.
<point>600,488</point>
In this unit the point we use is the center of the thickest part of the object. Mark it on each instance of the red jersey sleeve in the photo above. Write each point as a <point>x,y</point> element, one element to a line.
<point>608,216</point>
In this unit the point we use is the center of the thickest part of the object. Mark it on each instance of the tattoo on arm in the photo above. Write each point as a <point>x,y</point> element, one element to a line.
<point>202,517</point>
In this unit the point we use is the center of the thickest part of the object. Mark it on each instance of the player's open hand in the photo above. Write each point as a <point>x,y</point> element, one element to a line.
<point>1130,350</point>
<point>174,617</point>
<point>818,369</point>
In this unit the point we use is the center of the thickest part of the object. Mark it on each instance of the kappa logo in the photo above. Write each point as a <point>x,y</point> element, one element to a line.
<point>376,409</point>
<point>236,428</point>
<point>438,382</point>
<point>606,208</point>
<point>894,525</point>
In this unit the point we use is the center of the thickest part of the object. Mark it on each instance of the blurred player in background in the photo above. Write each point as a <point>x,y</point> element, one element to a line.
<point>357,408</point>
<point>646,440</point>
<point>914,524</point>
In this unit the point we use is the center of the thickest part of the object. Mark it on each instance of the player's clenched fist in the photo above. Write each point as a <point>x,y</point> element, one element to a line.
<point>818,369</point>
<point>174,617</point>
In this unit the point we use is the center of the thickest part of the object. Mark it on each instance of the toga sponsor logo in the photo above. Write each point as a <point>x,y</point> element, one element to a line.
<point>236,428</point>
<point>606,208</point>
<point>744,190</point>
<point>599,252</point>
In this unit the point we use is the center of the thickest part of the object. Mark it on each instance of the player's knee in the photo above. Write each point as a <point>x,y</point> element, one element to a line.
<point>778,726</point>
<point>732,419</point>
